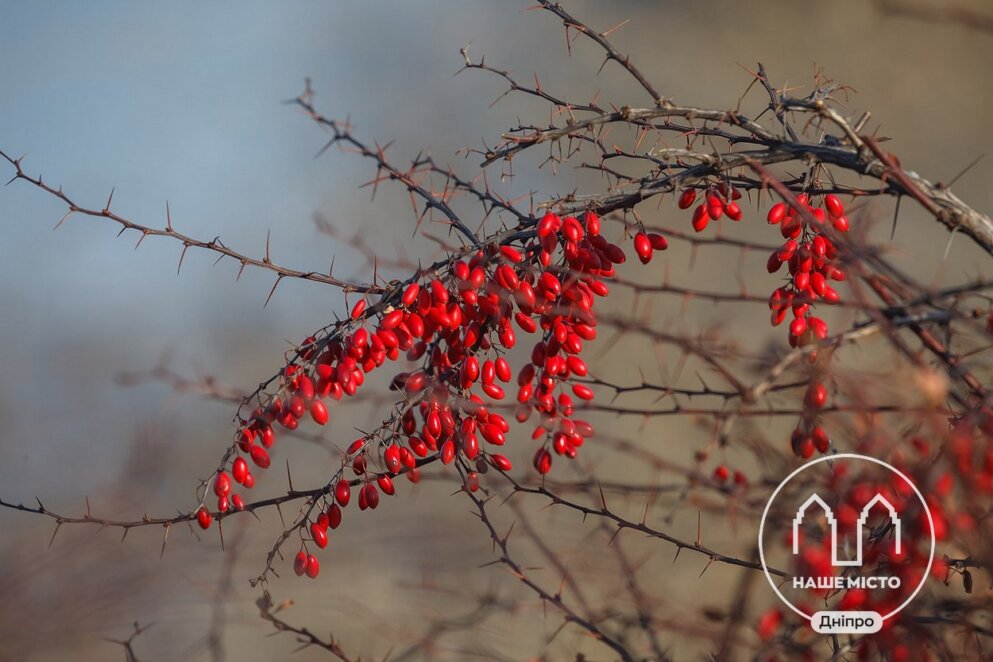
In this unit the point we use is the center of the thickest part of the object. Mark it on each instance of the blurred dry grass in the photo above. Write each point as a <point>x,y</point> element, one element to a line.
<point>417,557</point>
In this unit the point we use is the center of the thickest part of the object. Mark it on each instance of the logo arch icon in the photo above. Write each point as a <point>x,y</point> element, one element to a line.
<point>832,521</point>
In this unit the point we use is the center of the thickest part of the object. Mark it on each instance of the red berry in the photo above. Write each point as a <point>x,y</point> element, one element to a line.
<point>818,326</point>
<point>300,563</point>
<point>834,206</point>
<point>816,396</point>
<point>386,484</point>
<point>371,495</point>
<point>592,224</point>
<point>507,278</point>
<point>410,294</point>
<point>488,372</point>
<point>319,412</point>
<point>407,458</point>
<point>358,309</point>
<point>721,473</point>
<point>582,391</point>
<point>777,213</point>
<point>297,407</point>
<point>687,198</point>
<point>439,293</point>
<point>820,439</point>
<point>701,217</point>
<point>615,254</point>
<point>493,434</point>
<point>313,566</point>
<point>571,229</point>
<point>469,372</point>
<point>433,424</point>
<point>577,366</point>
<point>342,492</point>
<point>391,457</point>
<point>204,518</point>
<point>502,369</point>
<point>798,326</point>
<point>853,599</point>
<point>222,484</point>
<point>769,623</point>
<point>551,285</point>
<point>393,319</point>
<point>245,439</point>
<point>501,462</point>
<point>788,250</point>
<point>319,535</point>
<point>415,382</point>
<point>543,461</point>
<point>495,391</point>
<point>334,516</point>
<point>715,208</point>
<point>548,224</point>
<point>802,445</point>
<point>304,387</point>
<point>470,446</point>
<point>260,457</point>
<point>511,253</point>
<point>643,247</point>
<point>239,470</point>
<point>658,242</point>
<point>733,211</point>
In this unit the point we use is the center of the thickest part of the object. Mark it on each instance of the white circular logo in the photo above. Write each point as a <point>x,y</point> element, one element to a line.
<point>847,534</point>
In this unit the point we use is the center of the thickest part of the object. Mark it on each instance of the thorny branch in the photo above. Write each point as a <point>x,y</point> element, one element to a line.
<point>646,153</point>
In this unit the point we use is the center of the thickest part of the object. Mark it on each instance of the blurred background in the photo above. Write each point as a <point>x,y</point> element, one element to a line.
<point>183,103</point>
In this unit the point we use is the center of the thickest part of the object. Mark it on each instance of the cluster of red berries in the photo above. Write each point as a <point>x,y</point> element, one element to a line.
<point>458,323</point>
<point>716,203</point>
<point>811,257</point>
<point>812,261</point>
<point>722,474</point>
<point>563,304</point>
<point>808,435</point>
